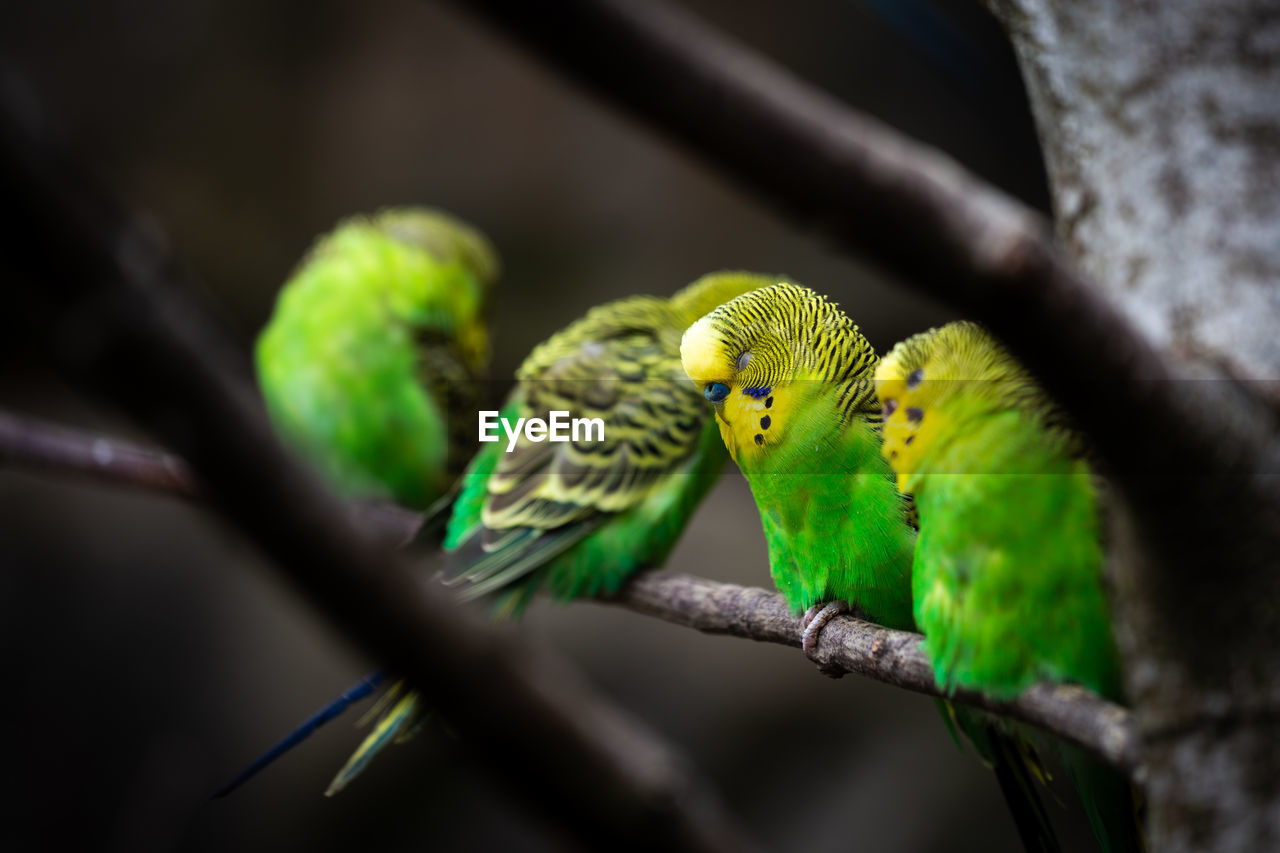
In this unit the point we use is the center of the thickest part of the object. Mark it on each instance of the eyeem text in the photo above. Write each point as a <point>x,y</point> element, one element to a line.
<point>560,427</point>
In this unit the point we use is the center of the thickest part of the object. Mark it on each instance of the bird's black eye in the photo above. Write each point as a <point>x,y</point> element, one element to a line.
<point>915,377</point>
<point>743,361</point>
<point>715,392</point>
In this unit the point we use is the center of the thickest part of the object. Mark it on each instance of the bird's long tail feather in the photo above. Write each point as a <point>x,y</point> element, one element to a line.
<point>350,696</point>
<point>1017,770</point>
<point>1109,801</point>
<point>396,726</point>
<point>1016,777</point>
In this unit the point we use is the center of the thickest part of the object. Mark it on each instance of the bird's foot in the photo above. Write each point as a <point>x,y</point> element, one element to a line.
<point>812,623</point>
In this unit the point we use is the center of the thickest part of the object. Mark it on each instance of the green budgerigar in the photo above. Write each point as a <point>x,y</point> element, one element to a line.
<point>789,375</point>
<point>1007,576</point>
<point>370,363</point>
<point>791,380</point>
<point>576,518</point>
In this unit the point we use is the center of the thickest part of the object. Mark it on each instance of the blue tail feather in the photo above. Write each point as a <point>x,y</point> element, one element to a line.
<point>349,697</point>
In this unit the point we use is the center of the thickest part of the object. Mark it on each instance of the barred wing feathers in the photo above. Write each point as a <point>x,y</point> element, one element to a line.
<point>621,364</point>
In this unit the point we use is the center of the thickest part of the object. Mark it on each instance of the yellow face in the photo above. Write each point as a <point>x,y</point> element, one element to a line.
<point>750,414</point>
<point>912,418</point>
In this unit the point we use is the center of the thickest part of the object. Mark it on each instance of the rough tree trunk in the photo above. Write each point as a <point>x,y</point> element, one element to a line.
<point>1161,126</point>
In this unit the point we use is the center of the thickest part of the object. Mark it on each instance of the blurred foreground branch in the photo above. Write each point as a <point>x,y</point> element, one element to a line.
<point>846,644</point>
<point>117,320</point>
<point>26,443</point>
<point>904,206</point>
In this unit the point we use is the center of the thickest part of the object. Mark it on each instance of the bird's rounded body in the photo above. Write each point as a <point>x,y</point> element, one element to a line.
<point>834,524</point>
<point>1007,580</point>
<point>369,362</point>
<point>1008,569</point>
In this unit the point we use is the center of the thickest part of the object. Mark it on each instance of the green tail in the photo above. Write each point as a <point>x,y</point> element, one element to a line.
<point>1108,798</point>
<point>396,726</point>
<point>1017,772</point>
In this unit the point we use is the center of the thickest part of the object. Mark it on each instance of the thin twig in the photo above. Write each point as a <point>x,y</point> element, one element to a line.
<point>846,644</point>
<point>119,322</point>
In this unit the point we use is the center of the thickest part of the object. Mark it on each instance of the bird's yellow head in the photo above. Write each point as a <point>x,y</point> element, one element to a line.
<point>905,399</point>
<point>920,384</point>
<point>759,358</point>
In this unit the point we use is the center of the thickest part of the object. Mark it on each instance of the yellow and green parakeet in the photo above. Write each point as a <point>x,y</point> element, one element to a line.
<point>791,380</point>
<point>1007,579</point>
<point>789,376</point>
<point>370,368</point>
<point>576,518</point>
<point>369,365</point>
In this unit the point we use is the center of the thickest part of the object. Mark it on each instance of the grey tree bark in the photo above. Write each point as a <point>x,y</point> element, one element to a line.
<point>1160,123</point>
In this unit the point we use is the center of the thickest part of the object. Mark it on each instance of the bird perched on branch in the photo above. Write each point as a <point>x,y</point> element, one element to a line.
<point>1008,566</point>
<point>790,378</point>
<point>369,365</point>
<point>369,368</point>
<point>576,518</point>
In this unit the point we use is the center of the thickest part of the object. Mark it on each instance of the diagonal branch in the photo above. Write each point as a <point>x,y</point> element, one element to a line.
<point>906,207</point>
<point>846,644</point>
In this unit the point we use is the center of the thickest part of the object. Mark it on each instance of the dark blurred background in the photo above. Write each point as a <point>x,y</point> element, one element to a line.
<point>150,654</point>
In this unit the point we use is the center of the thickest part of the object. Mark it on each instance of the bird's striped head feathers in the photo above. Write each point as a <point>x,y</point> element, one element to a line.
<point>714,289</point>
<point>762,356</point>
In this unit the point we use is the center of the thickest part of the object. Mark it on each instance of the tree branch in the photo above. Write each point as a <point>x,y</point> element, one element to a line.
<point>846,644</point>
<point>894,657</point>
<point>116,321</point>
<point>27,443</point>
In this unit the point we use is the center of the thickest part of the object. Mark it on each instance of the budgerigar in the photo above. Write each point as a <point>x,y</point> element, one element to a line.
<point>369,367</point>
<point>791,381</point>
<point>369,364</point>
<point>789,376</point>
<point>1008,566</point>
<point>577,518</point>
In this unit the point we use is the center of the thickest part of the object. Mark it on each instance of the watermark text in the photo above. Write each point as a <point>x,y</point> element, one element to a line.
<point>560,427</point>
